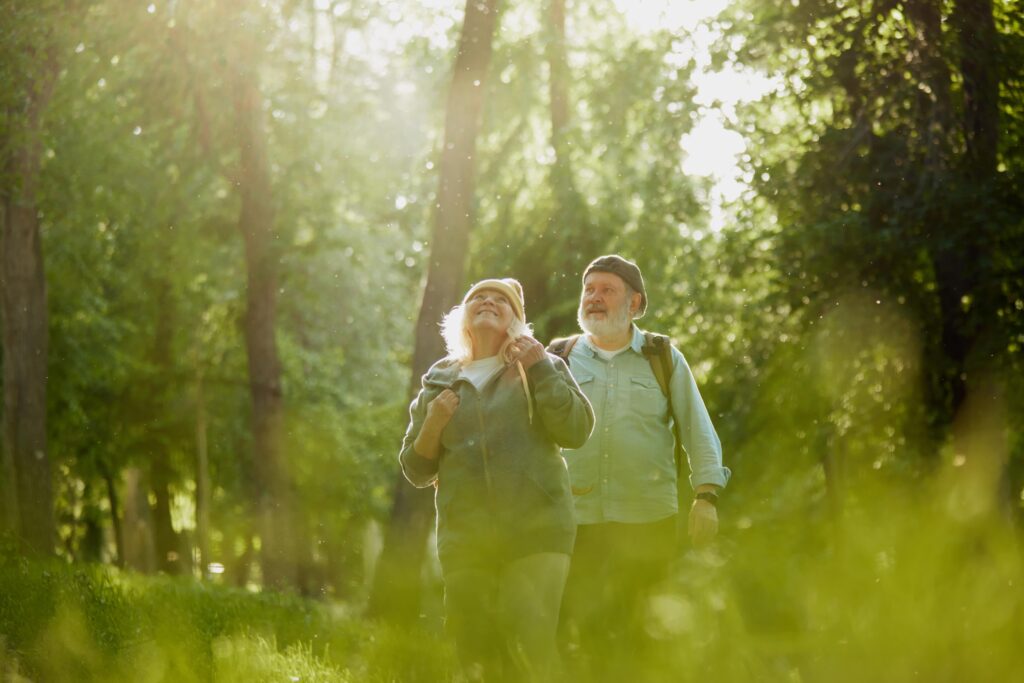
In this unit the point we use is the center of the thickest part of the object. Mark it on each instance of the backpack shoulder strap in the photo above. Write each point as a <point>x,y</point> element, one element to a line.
<point>562,346</point>
<point>658,351</point>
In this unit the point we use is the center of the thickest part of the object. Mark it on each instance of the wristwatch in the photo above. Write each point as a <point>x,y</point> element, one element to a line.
<point>709,496</point>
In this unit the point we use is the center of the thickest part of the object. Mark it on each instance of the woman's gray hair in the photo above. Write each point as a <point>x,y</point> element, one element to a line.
<point>458,343</point>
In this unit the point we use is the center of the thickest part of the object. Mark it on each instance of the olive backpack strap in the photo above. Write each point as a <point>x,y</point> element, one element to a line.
<point>562,346</point>
<point>658,351</point>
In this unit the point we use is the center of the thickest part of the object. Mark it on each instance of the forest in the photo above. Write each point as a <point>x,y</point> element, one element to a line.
<point>231,228</point>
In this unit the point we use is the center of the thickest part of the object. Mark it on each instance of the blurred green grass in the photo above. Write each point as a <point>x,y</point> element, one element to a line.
<point>93,623</point>
<point>903,586</point>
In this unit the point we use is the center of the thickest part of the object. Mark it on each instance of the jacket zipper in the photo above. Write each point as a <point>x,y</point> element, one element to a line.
<point>483,449</point>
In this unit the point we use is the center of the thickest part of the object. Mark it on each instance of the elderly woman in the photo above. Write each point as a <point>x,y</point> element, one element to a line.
<point>485,430</point>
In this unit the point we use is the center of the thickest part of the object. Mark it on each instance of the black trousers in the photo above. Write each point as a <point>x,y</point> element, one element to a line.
<point>614,568</point>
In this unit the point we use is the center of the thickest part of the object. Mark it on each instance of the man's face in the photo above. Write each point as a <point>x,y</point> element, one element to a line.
<point>605,309</point>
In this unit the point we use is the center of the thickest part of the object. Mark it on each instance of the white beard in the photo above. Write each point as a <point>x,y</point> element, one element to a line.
<point>615,322</point>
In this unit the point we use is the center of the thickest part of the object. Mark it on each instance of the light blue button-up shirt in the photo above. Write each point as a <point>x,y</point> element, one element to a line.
<point>626,471</point>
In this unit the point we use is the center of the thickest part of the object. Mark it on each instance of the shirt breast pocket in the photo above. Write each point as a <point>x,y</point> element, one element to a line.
<point>645,397</point>
<point>585,380</point>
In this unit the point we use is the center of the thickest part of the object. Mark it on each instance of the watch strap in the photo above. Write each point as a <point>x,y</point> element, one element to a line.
<point>709,496</point>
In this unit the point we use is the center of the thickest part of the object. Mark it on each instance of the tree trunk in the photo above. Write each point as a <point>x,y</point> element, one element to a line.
<point>202,480</point>
<point>256,223</point>
<point>396,588</point>
<point>165,539</point>
<point>564,183</point>
<point>976,32</point>
<point>8,490</point>
<point>956,275</point>
<point>29,496</point>
<point>567,244</point>
<point>90,546</point>
<point>558,74</point>
<point>115,515</point>
<point>139,553</point>
<point>239,570</point>
<point>833,465</point>
<point>981,445</point>
<point>935,117</point>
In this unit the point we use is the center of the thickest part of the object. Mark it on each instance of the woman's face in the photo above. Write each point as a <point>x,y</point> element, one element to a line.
<point>489,310</point>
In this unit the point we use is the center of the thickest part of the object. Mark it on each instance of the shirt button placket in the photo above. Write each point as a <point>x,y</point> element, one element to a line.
<point>609,401</point>
<point>609,408</point>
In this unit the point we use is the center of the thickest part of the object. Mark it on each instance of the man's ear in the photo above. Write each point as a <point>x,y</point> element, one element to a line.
<point>634,303</point>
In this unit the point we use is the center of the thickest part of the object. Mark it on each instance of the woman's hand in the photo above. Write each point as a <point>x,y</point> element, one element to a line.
<point>439,414</point>
<point>440,410</point>
<point>527,351</point>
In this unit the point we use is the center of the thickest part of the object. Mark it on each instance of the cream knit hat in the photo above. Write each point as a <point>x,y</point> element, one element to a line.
<point>512,290</point>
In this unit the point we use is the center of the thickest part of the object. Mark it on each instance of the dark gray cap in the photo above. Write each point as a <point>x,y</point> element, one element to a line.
<point>627,270</point>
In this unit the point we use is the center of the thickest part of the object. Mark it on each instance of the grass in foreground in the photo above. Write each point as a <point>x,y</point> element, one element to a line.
<point>905,587</point>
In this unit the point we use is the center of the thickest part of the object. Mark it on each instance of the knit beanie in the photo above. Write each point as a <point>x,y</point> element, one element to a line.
<point>512,290</point>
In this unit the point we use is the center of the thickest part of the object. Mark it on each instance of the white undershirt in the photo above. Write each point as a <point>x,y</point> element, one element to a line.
<point>478,372</point>
<point>608,355</point>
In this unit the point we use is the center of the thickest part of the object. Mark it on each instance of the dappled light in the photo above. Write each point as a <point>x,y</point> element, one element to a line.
<point>231,232</point>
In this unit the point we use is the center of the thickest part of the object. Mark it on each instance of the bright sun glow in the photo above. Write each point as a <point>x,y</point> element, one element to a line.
<point>648,15</point>
<point>711,149</point>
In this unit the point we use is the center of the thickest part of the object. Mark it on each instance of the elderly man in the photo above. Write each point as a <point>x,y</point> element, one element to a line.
<point>624,479</point>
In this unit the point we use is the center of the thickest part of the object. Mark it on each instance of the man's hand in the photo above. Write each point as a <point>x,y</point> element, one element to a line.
<point>703,522</point>
<point>527,351</point>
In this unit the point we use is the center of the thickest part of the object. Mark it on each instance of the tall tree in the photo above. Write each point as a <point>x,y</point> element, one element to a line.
<point>202,477</point>
<point>396,589</point>
<point>568,242</point>
<point>570,211</point>
<point>256,223</point>
<point>975,28</point>
<point>158,441</point>
<point>29,497</point>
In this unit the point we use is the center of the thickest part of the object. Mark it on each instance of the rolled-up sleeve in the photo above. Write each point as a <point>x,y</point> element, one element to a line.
<point>565,412</point>
<point>421,472</point>
<point>701,442</point>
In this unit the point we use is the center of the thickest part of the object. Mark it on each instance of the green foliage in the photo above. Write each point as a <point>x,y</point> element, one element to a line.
<point>95,624</point>
<point>864,195</point>
<point>617,185</point>
<point>146,274</point>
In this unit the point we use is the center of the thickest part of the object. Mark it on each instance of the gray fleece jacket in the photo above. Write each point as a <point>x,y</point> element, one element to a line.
<point>502,484</point>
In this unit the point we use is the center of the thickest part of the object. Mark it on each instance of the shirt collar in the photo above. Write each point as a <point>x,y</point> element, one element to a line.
<point>638,340</point>
<point>636,343</point>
